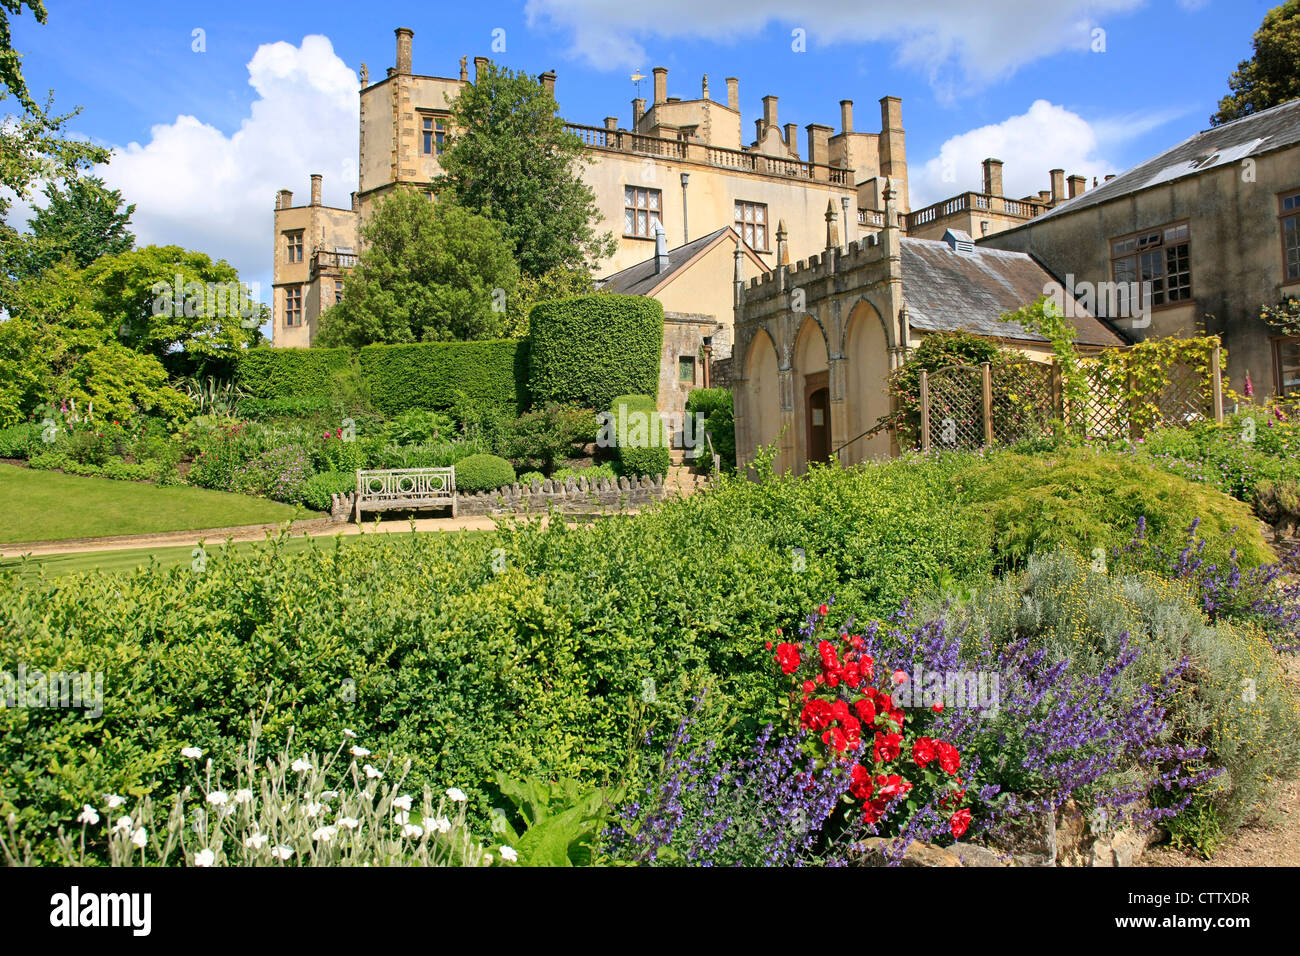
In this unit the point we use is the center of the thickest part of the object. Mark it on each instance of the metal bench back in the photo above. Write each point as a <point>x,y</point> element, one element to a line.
<point>406,486</point>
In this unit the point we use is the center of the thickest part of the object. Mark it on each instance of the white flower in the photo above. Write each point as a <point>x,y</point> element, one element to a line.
<point>88,815</point>
<point>311,809</point>
<point>359,752</point>
<point>218,798</point>
<point>114,801</point>
<point>256,841</point>
<point>204,858</point>
<point>441,824</point>
<point>282,852</point>
<point>372,773</point>
<point>349,823</point>
<point>508,853</point>
<point>124,824</point>
<point>328,794</point>
<point>403,802</point>
<point>194,753</point>
<point>400,817</point>
<point>349,733</point>
<point>324,834</point>
<point>456,795</point>
<point>412,830</point>
<point>140,838</point>
<point>244,796</point>
<point>301,765</point>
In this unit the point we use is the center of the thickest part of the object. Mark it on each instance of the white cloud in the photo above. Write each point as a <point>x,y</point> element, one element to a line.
<point>195,186</point>
<point>956,42</point>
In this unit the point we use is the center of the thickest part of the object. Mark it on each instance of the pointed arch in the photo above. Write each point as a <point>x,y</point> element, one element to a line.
<point>866,351</point>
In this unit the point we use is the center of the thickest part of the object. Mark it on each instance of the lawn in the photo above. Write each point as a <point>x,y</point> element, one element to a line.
<point>50,506</point>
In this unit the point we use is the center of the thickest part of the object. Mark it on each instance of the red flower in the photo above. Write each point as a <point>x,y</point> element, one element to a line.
<point>816,714</point>
<point>937,708</point>
<point>787,655</point>
<point>887,747</point>
<point>900,677</point>
<point>809,687</point>
<point>860,784</point>
<point>835,738</point>
<point>823,610</point>
<point>949,757</point>
<point>923,751</point>
<point>866,710</point>
<point>959,822</point>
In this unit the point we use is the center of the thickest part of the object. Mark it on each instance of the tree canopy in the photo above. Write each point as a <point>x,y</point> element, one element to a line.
<point>1272,75</point>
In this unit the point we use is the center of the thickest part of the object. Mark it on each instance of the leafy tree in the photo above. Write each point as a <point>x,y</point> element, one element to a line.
<point>84,220</point>
<point>559,283</point>
<point>510,158</point>
<point>1272,75</point>
<point>430,272</point>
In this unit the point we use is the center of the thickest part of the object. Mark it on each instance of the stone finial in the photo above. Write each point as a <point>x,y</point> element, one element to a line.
<point>464,69</point>
<point>365,75</point>
<point>832,231</point>
<point>782,244</point>
<point>706,86</point>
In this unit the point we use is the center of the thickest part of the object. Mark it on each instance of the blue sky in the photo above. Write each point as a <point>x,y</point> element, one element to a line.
<point>205,138</point>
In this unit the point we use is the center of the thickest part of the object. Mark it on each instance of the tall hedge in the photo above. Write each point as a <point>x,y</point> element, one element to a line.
<point>432,374</point>
<point>267,372</point>
<point>589,349</point>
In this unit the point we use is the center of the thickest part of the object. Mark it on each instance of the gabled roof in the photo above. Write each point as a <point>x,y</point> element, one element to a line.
<point>1253,135</point>
<point>641,279</point>
<point>951,286</point>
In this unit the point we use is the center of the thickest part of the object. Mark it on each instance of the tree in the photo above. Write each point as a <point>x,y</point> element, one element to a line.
<point>510,158</point>
<point>84,220</point>
<point>1272,75</point>
<point>430,272</point>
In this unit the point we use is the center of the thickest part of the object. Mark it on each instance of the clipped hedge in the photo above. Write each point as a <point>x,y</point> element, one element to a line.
<point>588,349</point>
<point>267,372</point>
<point>639,445</point>
<point>316,491</point>
<point>483,473</point>
<point>434,374</point>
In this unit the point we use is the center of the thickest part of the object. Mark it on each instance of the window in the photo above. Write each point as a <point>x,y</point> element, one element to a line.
<point>1160,257</point>
<point>434,134</point>
<point>1286,365</point>
<point>640,211</point>
<point>294,245</point>
<point>1291,235</point>
<point>686,369</point>
<point>338,291</point>
<point>751,223</point>
<point>293,305</point>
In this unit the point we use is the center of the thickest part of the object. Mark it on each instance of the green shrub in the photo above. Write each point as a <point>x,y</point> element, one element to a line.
<point>704,401</point>
<point>18,441</point>
<point>278,473</point>
<point>418,426</point>
<point>483,473</point>
<point>639,436</point>
<point>295,374</point>
<point>587,350</point>
<point>542,438</point>
<point>715,404</point>
<point>292,406</point>
<point>317,489</point>
<point>433,455</point>
<point>591,473</point>
<point>435,375</point>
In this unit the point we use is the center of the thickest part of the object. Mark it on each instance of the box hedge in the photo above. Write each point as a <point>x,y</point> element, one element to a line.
<point>434,374</point>
<point>642,446</point>
<point>483,473</point>
<point>267,372</point>
<point>588,349</point>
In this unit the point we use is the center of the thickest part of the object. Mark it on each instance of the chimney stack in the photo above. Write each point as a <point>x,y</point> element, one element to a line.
<point>548,81</point>
<point>1077,185</point>
<point>480,67</point>
<point>356,203</point>
<point>733,93</point>
<point>769,111</point>
<point>792,135</point>
<point>638,111</point>
<point>993,176</point>
<point>284,199</point>
<point>404,36</point>
<point>611,123</point>
<point>846,116</point>
<point>661,84</point>
<point>661,248</point>
<point>315,189</point>
<point>1058,185</point>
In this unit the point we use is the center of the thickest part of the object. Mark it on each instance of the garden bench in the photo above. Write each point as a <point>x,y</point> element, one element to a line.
<point>400,488</point>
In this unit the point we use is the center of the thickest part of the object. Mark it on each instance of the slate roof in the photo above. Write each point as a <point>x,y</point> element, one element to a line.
<point>641,279</point>
<point>1263,132</point>
<point>947,290</point>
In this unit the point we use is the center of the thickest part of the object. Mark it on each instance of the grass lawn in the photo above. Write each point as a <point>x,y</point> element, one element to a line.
<point>52,506</point>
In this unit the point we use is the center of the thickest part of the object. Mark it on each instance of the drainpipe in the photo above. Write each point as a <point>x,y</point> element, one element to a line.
<point>686,232</point>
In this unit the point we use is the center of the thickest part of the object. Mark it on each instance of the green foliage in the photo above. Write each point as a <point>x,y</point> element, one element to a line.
<point>563,820</point>
<point>438,375</point>
<point>562,282</point>
<point>937,350</point>
<point>1046,318</point>
<point>18,441</point>
<point>122,383</point>
<point>544,437</point>
<point>715,404</point>
<point>639,435</point>
<point>509,158</point>
<point>587,350</point>
<point>84,220</point>
<point>428,273</point>
<point>483,473</point>
<point>317,489</point>
<point>591,473</point>
<point>290,374</point>
<point>1269,77</point>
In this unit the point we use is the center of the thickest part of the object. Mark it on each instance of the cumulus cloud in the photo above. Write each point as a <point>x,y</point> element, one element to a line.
<point>196,186</point>
<point>1045,137</point>
<point>956,42</point>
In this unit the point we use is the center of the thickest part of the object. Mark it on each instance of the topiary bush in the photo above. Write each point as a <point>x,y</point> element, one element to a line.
<point>637,433</point>
<point>586,350</point>
<point>317,489</point>
<point>483,473</point>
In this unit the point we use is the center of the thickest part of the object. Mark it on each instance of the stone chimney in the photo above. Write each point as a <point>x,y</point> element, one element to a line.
<point>356,203</point>
<point>548,81</point>
<point>404,37</point>
<point>661,84</point>
<point>792,136</point>
<point>846,116</point>
<point>993,176</point>
<point>611,123</point>
<point>769,111</point>
<point>1077,185</point>
<point>893,149</point>
<point>661,248</point>
<point>480,67</point>
<point>1058,185</point>
<point>284,199</point>
<point>638,110</point>
<point>819,143</point>
<point>733,93</point>
<point>315,189</point>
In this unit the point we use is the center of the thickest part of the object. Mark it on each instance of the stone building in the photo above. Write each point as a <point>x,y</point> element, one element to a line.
<point>988,211</point>
<point>681,164</point>
<point>815,342</point>
<point>1207,232</point>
